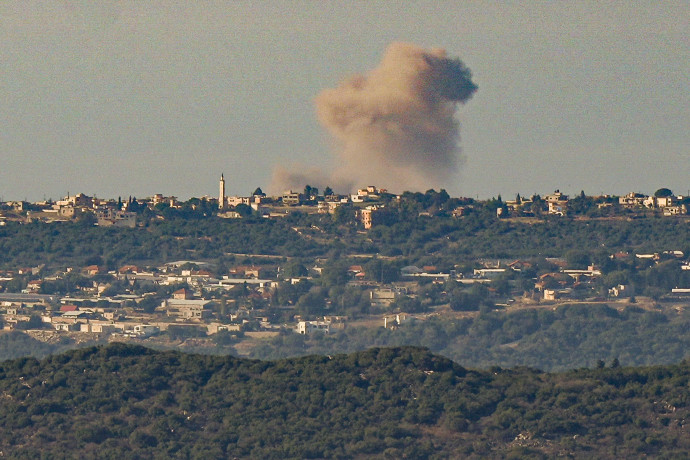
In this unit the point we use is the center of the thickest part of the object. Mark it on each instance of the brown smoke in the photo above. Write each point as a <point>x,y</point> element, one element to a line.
<point>284,180</point>
<point>395,126</point>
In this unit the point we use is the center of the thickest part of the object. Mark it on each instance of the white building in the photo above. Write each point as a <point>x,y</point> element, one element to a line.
<point>145,330</point>
<point>309,327</point>
<point>187,309</point>
<point>489,273</point>
<point>397,321</point>
<point>675,210</point>
<point>113,218</point>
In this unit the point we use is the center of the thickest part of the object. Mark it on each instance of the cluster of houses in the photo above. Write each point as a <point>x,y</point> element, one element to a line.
<point>367,202</point>
<point>366,199</point>
<point>370,211</point>
<point>670,205</point>
<point>110,212</point>
<point>202,304</point>
<point>558,204</point>
<point>107,212</point>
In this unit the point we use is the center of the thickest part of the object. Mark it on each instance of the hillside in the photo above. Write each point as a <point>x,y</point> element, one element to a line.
<point>127,401</point>
<point>15,344</point>
<point>550,338</point>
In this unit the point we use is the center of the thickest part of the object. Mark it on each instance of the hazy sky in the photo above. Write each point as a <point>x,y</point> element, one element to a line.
<point>134,98</point>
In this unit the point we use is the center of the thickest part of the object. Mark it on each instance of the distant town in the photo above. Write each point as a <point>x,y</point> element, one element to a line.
<point>369,202</point>
<point>252,296</point>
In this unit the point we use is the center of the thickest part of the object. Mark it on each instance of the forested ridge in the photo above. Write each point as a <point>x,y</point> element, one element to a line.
<point>123,401</point>
<point>440,240</point>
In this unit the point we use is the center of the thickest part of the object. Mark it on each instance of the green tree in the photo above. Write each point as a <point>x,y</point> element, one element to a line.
<point>464,301</point>
<point>578,259</point>
<point>501,285</point>
<point>34,322</point>
<point>335,273</point>
<point>381,271</point>
<point>408,304</point>
<point>149,304</point>
<point>345,214</point>
<point>313,303</point>
<point>243,210</point>
<point>310,191</point>
<point>294,269</point>
<point>86,219</point>
<point>16,284</point>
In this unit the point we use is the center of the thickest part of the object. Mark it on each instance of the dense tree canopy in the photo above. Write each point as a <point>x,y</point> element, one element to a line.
<point>127,401</point>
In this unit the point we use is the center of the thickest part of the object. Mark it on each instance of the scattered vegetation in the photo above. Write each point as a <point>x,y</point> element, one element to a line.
<point>572,336</point>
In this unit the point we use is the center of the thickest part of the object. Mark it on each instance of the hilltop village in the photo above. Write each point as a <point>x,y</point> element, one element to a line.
<point>369,259</point>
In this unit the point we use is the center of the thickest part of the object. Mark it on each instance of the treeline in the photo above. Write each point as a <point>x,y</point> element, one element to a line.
<point>482,235</point>
<point>417,239</point>
<point>124,401</point>
<point>79,244</point>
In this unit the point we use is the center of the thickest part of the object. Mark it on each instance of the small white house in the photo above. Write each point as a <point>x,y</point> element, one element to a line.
<point>309,327</point>
<point>145,330</point>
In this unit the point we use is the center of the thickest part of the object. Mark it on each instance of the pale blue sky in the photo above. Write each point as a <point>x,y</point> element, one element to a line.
<point>136,98</point>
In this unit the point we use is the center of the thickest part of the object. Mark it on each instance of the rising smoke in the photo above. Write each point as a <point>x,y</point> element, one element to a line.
<point>395,127</point>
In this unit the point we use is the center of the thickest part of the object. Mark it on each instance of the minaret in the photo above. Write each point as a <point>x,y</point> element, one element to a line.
<point>221,195</point>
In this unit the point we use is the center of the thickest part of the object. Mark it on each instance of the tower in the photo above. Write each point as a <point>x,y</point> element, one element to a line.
<point>221,194</point>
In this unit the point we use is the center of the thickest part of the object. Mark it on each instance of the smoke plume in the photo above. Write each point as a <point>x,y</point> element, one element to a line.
<point>395,127</point>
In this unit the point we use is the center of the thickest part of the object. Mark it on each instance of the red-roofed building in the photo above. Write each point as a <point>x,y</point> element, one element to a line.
<point>247,271</point>
<point>182,294</point>
<point>34,285</point>
<point>66,308</point>
<point>92,270</point>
